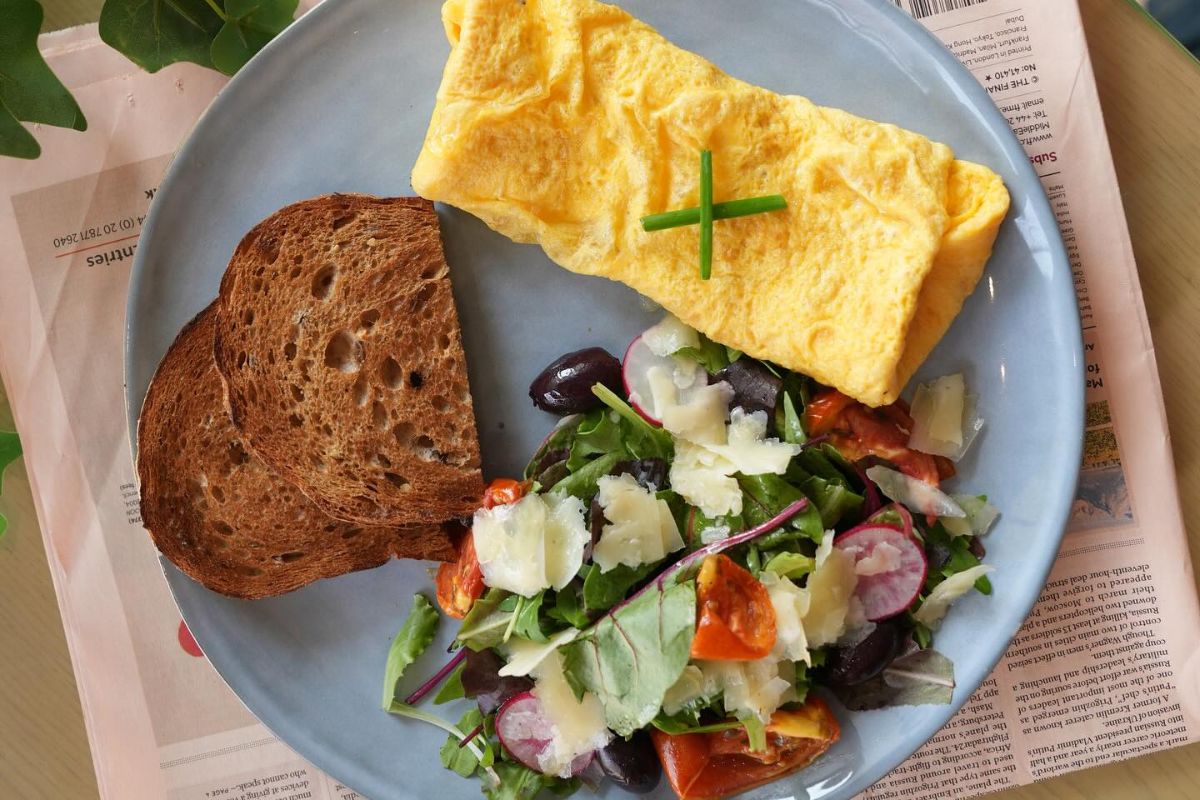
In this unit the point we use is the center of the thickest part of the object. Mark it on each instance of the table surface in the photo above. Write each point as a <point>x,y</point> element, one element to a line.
<point>1150,90</point>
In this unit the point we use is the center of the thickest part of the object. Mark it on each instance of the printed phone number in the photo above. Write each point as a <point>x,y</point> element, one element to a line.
<point>124,225</point>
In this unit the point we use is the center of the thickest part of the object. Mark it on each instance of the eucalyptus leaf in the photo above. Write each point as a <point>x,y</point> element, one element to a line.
<point>249,25</point>
<point>10,451</point>
<point>414,636</point>
<point>630,658</point>
<point>156,33</point>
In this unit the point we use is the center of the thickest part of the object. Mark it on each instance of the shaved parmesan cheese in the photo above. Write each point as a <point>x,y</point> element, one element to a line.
<point>670,336</point>
<point>703,478</point>
<point>945,421</point>
<point>751,687</point>
<point>641,528</point>
<point>524,655</point>
<point>791,604</point>
<point>979,519</point>
<point>830,588</point>
<point>748,449</point>
<point>935,606</point>
<point>701,419</point>
<point>883,559</point>
<point>579,725</point>
<point>825,547</point>
<point>691,686</point>
<point>533,544</point>
<point>915,494</point>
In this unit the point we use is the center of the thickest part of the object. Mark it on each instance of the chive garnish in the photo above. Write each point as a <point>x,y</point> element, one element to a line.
<point>706,214</point>
<point>730,209</point>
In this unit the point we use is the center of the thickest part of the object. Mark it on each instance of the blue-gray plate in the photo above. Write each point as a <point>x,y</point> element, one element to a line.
<point>340,102</point>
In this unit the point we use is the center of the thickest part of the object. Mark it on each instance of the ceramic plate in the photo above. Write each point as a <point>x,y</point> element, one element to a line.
<point>340,102</point>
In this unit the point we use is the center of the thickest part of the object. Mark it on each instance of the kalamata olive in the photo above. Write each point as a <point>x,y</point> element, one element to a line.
<point>858,663</point>
<point>631,764</point>
<point>754,387</point>
<point>481,680</point>
<point>650,473</point>
<point>976,547</point>
<point>565,387</point>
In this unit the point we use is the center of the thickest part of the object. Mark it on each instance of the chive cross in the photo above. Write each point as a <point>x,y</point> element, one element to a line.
<point>708,212</point>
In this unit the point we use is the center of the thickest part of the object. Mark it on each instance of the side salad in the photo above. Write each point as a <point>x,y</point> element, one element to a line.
<point>701,543</point>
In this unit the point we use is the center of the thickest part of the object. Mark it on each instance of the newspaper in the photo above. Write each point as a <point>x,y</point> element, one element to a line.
<point>1099,672</point>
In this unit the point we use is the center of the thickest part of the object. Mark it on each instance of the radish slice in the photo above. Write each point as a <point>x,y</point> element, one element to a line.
<point>526,732</point>
<point>639,368</point>
<point>890,566</point>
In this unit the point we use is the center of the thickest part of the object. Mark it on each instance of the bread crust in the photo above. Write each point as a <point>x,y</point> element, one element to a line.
<point>223,516</point>
<point>338,340</point>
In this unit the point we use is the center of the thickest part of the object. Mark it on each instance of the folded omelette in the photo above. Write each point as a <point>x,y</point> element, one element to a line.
<point>562,122</point>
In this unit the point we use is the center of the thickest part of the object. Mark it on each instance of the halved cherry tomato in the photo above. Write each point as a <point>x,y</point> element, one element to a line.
<point>824,412</point>
<point>710,766</point>
<point>736,621</point>
<point>460,583</point>
<point>503,491</point>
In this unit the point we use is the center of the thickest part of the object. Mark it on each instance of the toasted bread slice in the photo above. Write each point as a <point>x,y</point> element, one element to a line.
<point>339,343</point>
<point>220,514</point>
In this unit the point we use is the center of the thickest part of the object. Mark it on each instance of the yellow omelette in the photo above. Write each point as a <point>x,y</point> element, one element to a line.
<point>562,122</point>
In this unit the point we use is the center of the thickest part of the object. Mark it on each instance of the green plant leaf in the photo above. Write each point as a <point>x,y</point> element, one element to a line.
<point>462,759</point>
<point>249,25</point>
<point>415,635</point>
<point>156,33</point>
<point>631,657</point>
<point>29,91</point>
<point>452,689</point>
<point>603,590</point>
<point>10,451</point>
<point>925,677</point>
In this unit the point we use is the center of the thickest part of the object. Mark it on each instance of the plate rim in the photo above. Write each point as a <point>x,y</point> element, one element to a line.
<point>970,92</point>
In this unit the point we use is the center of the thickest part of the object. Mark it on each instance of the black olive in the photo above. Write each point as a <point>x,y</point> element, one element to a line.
<point>650,473</point>
<point>976,547</point>
<point>858,663</point>
<point>755,388</point>
<point>632,764</point>
<point>565,387</point>
<point>481,680</point>
<point>938,554</point>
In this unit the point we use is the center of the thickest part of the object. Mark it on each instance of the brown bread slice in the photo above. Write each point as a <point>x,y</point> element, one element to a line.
<point>219,514</point>
<point>339,343</point>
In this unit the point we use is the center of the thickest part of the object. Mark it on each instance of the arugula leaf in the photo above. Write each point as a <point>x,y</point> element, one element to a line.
<point>630,658</point>
<point>598,433</point>
<point>29,90</point>
<point>484,625</point>
<point>415,635</point>
<point>603,590</point>
<point>924,677</point>
<point>405,710</point>
<point>584,483</point>
<point>10,450</point>
<point>756,732</point>
<point>788,422</point>
<point>518,782</point>
<point>249,25</point>
<point>462,759</point>
<point>764,496</point>
<point>790,565</point>
<point>834,500</point>
<point>641,438</point>
<point>710,355</point>
<point>526,622</point>
<point>697,524</point>
<point>960,559</point>
<point>674,725</point>
<point>452,689</point>
<point>568,605</point>
<point>559,439</point>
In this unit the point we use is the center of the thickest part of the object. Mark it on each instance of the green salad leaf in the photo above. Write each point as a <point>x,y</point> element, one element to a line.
<point>710,355</point>
<point>464,760</point>
<point>960,558</point>
<point>518,782</point>
<point>29,90</point>
<point>485,623</point>
<point>791,429</point>
<point>585,482</point>
<point>756,732</point>
<point>603,590</point>
<point>10,450</point>
<point>764,496</point>
<point>452,689</point>
<point>568,605</point>
<point>642,439</point>
<point>598,433</point>
<point>559,440</point>
<point>632,656</point>
<point>415,635</point>
<point>788,564</point>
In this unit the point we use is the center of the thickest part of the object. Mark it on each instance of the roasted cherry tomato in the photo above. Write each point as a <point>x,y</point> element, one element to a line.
<point>503,491</point>
<point>736,621</point>
<point>710,766</point>
<point>824,412</point>
<point>460,583</point>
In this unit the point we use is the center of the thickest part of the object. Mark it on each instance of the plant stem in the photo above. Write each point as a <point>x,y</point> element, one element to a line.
<point>220,12</point>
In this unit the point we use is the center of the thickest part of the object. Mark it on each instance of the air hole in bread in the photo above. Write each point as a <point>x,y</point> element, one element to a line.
<point>424,441</point>
<point>379,415</point>
<point>399,481</point>
<point>327,429</point>
<point>237,454</point>
<point>433,272</point>
<point>269,249</point>
<point>271,357</point>
<point>296,421</point>
<point>344,352</point>
<point>241,359</point>
<point>440,404</point>
<point>367,321</point>
<point>404,433</point>
<point>223,528</point>
<point>350,534</point>
<point>218,494</point>
<point>444,341</point>
<point>322,284</point>
<point>289,351</point>
<point>297,393</point>
<point>415,380</point>
<point>425,294</point>
<point>251,393</point>
<point>248,317</point>
<point>288,558</point>
<point>343,220</point>
<point>381,460</point>
<point>361,391</point>
<point>391,373</point>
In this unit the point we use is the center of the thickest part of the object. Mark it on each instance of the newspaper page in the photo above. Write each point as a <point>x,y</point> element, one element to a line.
<point>1105,667</point>
<point>1098,673</point>
<point>161,723</point>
